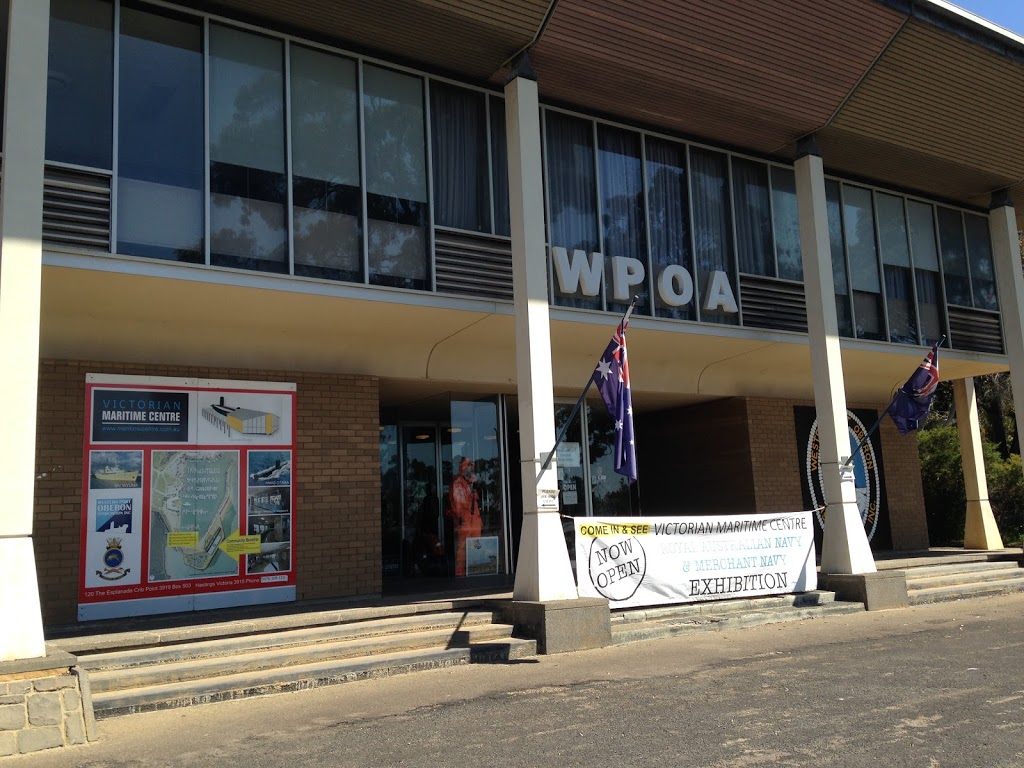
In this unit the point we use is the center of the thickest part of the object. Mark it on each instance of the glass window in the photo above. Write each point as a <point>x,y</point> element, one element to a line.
<point>396,179</point>
<point>979,247</point>
<point>458,119</point>
<point>571,186</point>
<point>80,83</point>
<point>609,491</point>
<point>834,207</point>
<point>622,207</point>
<point>753,217</point>
<point>954,257</point>
<point>476,456</point>
<point>787,224</point>
<point>499,167</point>
<point>248,185</point>
<point>899,285</point>
<point>326,198</point>
<point>669,216</point>
<point>161,169</point>
<point>922,236</point>
<point>712,231</point>
<point>926,270</point>
<point>859,229</point>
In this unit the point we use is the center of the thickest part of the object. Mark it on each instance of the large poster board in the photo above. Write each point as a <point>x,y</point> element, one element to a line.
<point>639,561</point>
<point>188,495</point>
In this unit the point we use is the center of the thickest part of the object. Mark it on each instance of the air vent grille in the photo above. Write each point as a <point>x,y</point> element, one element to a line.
<point>473,265</point>
<point>771,303</point>
<point>76,209</point>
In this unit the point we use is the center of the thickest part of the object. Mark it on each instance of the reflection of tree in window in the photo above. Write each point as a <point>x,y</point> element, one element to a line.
<point>327,201</point>
<point>396,186</point>
<point>248,187</point>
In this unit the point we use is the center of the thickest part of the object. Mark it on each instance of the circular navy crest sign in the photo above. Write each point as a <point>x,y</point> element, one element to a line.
<point>865,474</point>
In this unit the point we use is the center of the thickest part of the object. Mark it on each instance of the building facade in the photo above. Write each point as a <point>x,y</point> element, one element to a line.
<point>426,219</point>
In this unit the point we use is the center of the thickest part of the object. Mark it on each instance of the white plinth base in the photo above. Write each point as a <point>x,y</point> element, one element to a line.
<point>981,531</point>
<point>543,571</point>
<point>845,548</point>
<point>22,637</point>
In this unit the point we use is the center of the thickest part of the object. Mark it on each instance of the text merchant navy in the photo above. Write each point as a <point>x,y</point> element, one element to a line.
<point>146,411</point>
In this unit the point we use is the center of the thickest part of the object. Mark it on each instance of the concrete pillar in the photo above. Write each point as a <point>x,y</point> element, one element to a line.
<point>21,222</point>
<point>980,531</point>
<point>543,571</point>
<point>845,546</point>
<point>1002,226</point>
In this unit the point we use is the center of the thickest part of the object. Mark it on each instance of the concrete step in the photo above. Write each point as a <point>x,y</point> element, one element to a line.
<point>647,624</point>
<point>199,668</point>
<point>966,590</point>
<point>112,635</point>
<point>935,578</point>
<point>149,650</point>
<point>924,571</point>
<point>303,676</point>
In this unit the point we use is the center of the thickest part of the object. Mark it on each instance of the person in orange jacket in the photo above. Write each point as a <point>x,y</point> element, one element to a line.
<point>464,509</point>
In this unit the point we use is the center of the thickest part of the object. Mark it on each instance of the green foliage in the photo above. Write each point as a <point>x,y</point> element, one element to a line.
<point>944,495</point>
<point>943,480</point>
<point>1006,492</point>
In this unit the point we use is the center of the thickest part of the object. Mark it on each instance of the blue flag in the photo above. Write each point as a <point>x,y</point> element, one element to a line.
<point>910,406</point>
<point>612,379</point>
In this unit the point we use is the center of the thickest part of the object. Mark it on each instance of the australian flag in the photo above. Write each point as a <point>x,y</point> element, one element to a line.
<point>910,406</point>
<point>612,379</point>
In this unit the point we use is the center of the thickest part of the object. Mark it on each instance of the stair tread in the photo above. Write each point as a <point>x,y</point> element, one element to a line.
<point>719,607</point>
<point>292,656</point>
<point>297,676</point>
<point>225,646</point>
<point>682,625</point>
<point>974,585</point>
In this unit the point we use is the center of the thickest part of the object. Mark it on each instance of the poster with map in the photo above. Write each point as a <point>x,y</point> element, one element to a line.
<point>195,515</point>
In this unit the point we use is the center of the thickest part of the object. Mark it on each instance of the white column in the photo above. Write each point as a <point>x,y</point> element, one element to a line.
<point>543,571</point>
<point>1002,225</point>
<point>845,546</point>
<point>21,222</point>
<point>980,531</point>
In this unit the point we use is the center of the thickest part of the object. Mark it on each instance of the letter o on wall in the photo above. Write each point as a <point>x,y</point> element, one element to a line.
<point>675,286</point>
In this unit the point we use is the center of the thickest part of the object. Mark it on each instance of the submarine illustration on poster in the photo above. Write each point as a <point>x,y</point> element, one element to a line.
<point>235,420</point>
<point>271,473</point>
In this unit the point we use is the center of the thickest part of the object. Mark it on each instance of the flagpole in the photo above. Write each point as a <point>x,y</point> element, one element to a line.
<point>885,413</point>
<point>864,439</point>
<point>590,382</point>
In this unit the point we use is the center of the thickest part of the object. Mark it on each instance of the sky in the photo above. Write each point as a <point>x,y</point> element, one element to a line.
<point>1005,13</point>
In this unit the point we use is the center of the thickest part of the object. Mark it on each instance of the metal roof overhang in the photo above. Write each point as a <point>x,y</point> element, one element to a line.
<point>913,94</point>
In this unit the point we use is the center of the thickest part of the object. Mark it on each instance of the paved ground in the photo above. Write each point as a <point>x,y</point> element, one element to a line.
<point>932,686</point>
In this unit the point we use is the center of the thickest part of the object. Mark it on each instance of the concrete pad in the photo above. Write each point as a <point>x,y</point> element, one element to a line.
<point>878,591</point>
<point>561,626</point>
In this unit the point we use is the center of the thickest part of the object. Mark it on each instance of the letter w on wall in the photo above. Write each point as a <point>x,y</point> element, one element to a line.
<point>578,274</point>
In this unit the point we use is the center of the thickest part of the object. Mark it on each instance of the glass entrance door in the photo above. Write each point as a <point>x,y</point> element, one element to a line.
<point>423,550</point>
<point>443,492</point>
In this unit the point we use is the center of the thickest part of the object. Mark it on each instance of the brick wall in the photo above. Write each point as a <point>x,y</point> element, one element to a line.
<point>695,460</point>
<point>779,474</point>
<point>774,457</point>
<point>905,493</point>
<point>337,476</point>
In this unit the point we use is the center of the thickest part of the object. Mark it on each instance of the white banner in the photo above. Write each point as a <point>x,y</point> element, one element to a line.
<point>637,561</point>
